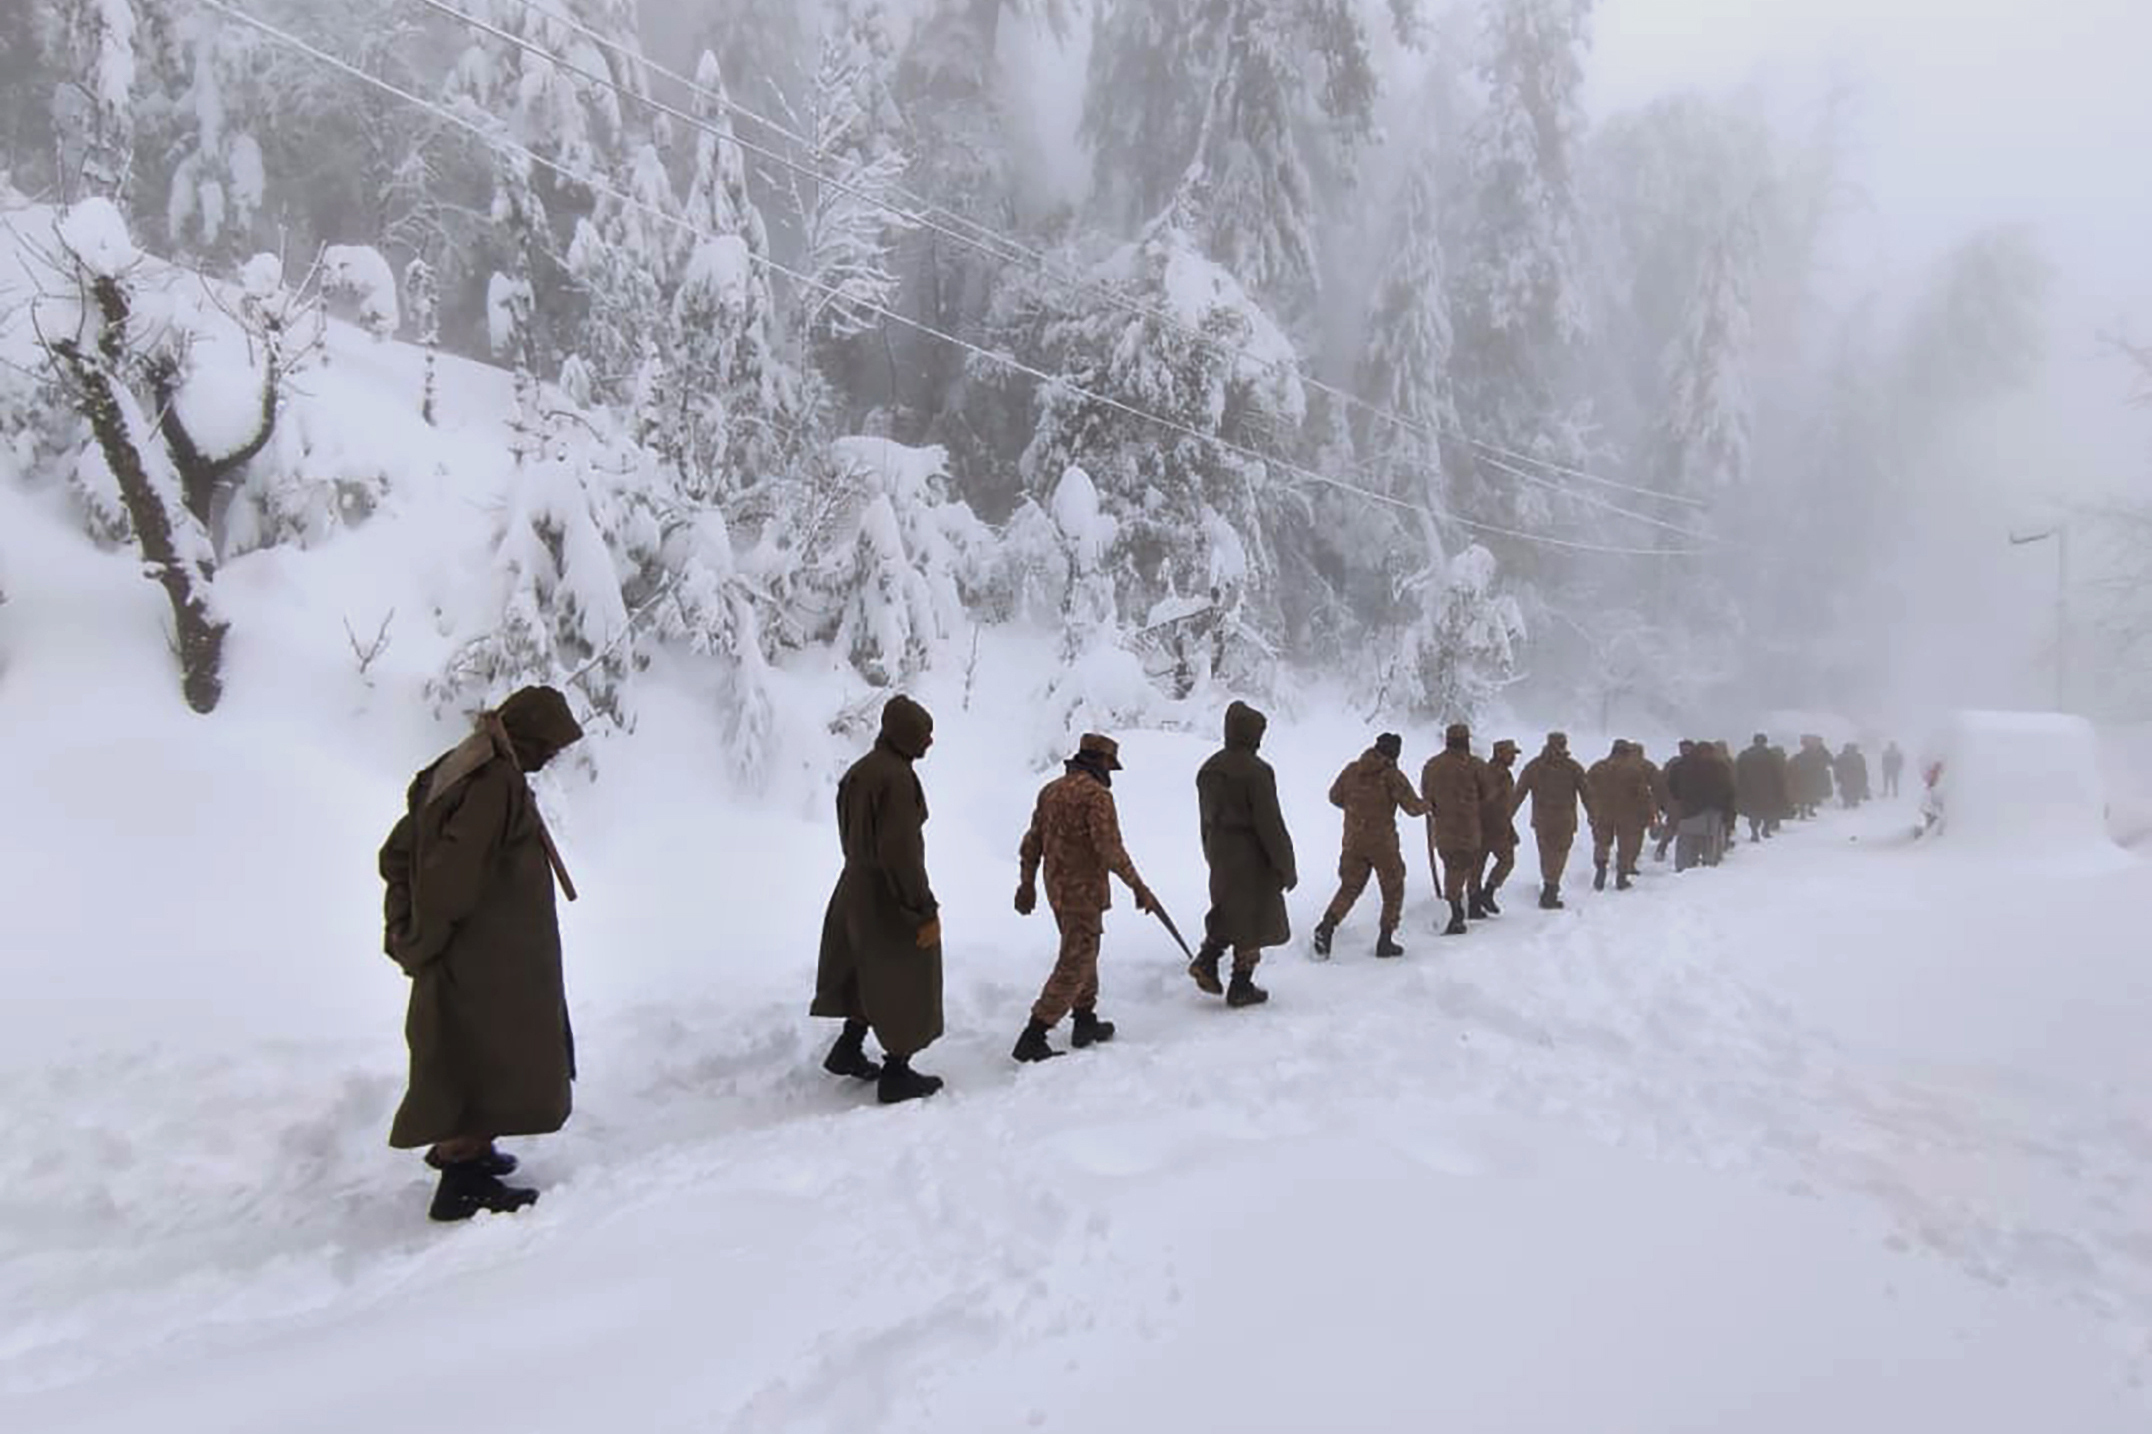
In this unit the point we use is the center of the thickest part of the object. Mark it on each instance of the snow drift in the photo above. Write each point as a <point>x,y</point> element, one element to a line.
<point>2023,784</point>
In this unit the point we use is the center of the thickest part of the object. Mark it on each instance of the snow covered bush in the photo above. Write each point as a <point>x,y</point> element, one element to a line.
<point>358,276</point>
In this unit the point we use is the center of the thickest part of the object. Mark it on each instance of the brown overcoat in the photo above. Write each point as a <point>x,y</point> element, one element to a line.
<point>1621,793</point>
<point>872,965</point>
<point>1454,784</point>
<point>1244,839</point>
<point>470,918</point>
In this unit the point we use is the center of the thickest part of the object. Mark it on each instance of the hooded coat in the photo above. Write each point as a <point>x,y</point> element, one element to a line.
<point>470,918</point>
<point>872,966</point>
<point>1244,839</point>
<point>1759,785</point>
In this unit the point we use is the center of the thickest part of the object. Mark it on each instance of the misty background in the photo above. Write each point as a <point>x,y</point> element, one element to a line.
<point>1648,361</point>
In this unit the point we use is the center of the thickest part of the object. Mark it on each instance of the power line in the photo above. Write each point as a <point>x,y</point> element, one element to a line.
<point>1014,251</point>
<point>491,137</point>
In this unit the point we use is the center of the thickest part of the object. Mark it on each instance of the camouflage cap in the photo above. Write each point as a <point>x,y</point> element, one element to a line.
<point>1506,748</point>
<point>1108,751</point>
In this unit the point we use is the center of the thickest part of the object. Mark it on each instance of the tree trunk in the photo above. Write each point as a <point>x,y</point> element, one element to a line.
<point>199,633</point>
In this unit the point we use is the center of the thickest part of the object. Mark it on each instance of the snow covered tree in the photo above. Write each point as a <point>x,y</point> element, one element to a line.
<point>1461,649</point>
<point>92,335</point>
<point>1519,301</point>
<point>725,393</point>
<point>93,100</point>
<point>422,287</point>
<point>218,186</point>
<point>1227,113</point>
<point>357,276</point>
<point>1706,417</point>
<point>848,213</point>
<point>621,261</point>
<point>1194,516</point>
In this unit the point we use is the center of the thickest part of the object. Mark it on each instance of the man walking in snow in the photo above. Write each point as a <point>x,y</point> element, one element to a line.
<point>1756,787</point>
<point>1498,833</point>
<point>881,959</point>
<point>1076,834</point>
<point>1623,806</point>
<point>1556,786</point>
<point>1370,792</point>
<point>1893,770</point>
<point>1250,854</point>
<point>1456,788</point>
<point>1670,808</point>
<point>1852,772</point>
<point>1782,790</point>
<point>470,917</point>
<point>1811,776</point>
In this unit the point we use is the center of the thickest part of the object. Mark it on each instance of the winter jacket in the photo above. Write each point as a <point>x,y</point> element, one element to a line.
<point>1245,842</point>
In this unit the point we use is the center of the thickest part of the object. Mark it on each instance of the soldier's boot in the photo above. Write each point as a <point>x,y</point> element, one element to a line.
<point>1487,906</point>
<point>1623,881</point>
<point>468,1187</point>
<point>1457,920</point>
<point>1324,931</point>
<point>1386,947</point>
<point>1204,969</point>
<point>1245,992</point>
<point>901,1083</point>
<point>1476,906</point>
<point>1090,1030</point>
<point>848,1056</point>
<point>1599,877</point>
<point>1031,1045</point>
<point>1550,898</point>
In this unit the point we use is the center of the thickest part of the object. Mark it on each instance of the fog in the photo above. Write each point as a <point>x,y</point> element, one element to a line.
<point>1667,360</point>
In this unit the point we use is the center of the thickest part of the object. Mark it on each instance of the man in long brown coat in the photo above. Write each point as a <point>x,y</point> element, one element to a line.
<point>1455,788</point>
<point>1498,831</point>
<point>1250,854</point>
<point>881,959</point>
<point>1623,804</point>
<point>1370,792</point>
<point>1555,786</point>
<point>1758,790</point>
<point>1076,833</point>
<point>470,918</point>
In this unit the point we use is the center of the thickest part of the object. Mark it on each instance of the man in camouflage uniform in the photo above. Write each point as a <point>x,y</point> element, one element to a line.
<point>1076,832</point>
<point>1556,786</point>
<point>1599,777</point>
<point>1624,805</point>
<point>1370,792</point>
<point>1455,788</point>
<point>1498,833</point>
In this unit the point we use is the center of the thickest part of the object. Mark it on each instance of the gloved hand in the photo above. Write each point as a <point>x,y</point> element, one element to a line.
<point>1027,899</point>
<point>930,935</point>
<point>1145,901</point>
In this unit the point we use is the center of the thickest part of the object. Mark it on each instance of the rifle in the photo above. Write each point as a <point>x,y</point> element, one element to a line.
<point>1166,921</point>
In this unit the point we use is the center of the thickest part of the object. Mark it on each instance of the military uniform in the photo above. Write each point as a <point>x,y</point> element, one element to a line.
<point>1623,804</point>
<point>1498,831</point>
<point>1371,791</point>
<point>1555,785</point>
<point>1456,785</point>
<point>1075,834</point>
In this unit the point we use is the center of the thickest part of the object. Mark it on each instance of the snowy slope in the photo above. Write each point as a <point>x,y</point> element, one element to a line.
<point>1848,1135</point>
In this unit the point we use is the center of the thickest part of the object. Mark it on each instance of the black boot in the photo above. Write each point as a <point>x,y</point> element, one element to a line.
<point>466,1188</point>
<point>494,1162</point>
<point>1550,899</point>
<point>848,1056</point>
<point>1031,1046</point>
<point>1204,970</point>
<point>1487,906</point>
<point>1457,920</point>
<point>1386,946</point>
<point>1623,881</point>
<point>1599,877</point>
<point>1090,1030</point>
<point>1323,932</point>
<point>1476,907</point>
<point>1245,992</point>
<point>901,1083</point>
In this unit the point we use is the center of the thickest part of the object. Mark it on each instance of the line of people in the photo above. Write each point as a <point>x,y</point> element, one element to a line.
<point>471,877</point>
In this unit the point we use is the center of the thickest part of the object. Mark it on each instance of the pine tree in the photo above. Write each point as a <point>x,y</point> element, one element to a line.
<point>1520,303</point>
<point>1708,410</point>
<point>93,102</point>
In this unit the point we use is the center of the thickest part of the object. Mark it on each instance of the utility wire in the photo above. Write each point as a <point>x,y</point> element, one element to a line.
<point>492,138</point>
<point>1010,250</point>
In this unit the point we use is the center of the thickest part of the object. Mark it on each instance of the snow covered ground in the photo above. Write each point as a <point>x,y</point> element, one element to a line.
<point>1849,1134</point>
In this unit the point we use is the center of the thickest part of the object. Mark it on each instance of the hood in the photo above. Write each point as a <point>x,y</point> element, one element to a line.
<point>539,726</point>
<point>907,728</point>
<point>1244,727</point>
